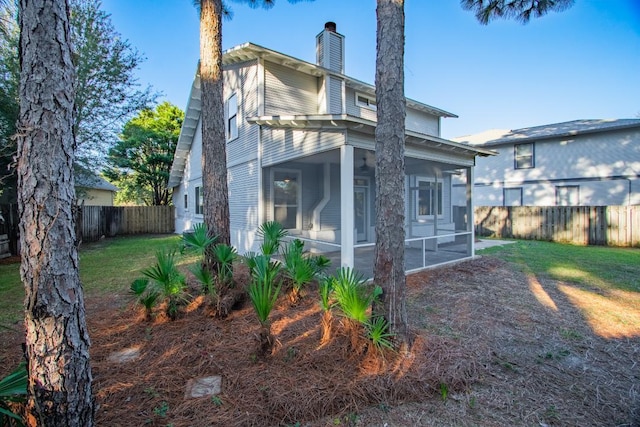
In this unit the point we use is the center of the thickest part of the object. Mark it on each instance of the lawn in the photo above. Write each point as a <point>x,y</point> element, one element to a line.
<point>531,333</point>
<point>107,266</point>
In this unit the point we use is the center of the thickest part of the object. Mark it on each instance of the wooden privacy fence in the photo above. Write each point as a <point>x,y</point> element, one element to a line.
<point>582,225</point>
<point>94,222</point>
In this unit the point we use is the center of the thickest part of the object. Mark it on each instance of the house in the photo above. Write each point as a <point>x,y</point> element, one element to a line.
<point>93,190</point>
<point>581,162</point>
<point>300,151</point>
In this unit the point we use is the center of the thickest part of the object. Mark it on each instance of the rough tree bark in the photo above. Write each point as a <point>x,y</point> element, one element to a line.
<point>57,341</point>
<point>214,167</point>
<point>389,252</point>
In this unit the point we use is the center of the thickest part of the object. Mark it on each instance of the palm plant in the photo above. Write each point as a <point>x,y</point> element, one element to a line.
<point>263,292</point>
<point>13,389</point>
<point>167,281</point>
<point>378,332</point>
<point>199,239</point>
<point>326,290</point>
<point>297,268</point>
<point>225,255</point>
<point>354,300</point>
<point>146,296</point>
<point>272,234</point>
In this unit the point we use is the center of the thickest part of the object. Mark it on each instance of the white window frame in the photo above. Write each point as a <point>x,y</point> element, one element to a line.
<point>366,102</point>
<point>567,196</point>
<point>232,117</point>
<point>298,177</point>
<point>517,156</point>
<point>439,188</point>
<point>199,200</point>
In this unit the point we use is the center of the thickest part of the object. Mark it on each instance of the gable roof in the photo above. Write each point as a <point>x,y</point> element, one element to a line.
<point>556,130</point>
<point>92,181</point>
<point>248,52</point>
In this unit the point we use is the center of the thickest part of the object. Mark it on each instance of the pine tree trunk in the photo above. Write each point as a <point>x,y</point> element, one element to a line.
<point>389,252</point>
<point>214,168</point>
<point>57,341</point>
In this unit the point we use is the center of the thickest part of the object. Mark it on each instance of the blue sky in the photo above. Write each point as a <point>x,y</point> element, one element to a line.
<point>583,63</point>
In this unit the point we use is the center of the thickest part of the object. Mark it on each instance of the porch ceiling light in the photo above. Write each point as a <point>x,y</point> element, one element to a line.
<point>364,167</point>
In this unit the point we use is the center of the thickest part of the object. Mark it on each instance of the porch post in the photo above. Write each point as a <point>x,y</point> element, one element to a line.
<point>347,223</point>
<point>470,215</point>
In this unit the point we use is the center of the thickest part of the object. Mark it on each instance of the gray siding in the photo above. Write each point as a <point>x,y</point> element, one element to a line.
<point>243,81</point>
<point>603,165</point>
<point>243,196</point>
<point>419,121</point>
<point>280,145</point>
<point>335,98</point>
<point>289,92</point>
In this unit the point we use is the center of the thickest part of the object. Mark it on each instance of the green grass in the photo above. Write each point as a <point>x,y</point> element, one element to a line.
<point>602,267</point>
<point>109,265</point>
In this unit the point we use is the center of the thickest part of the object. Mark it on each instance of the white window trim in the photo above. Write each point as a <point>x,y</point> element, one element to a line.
<point>231,136</point>
<point>298,174</point>
<point>370,104</point>
<point>516,157</point>
<point>417,197</point>
<point>196,205</point>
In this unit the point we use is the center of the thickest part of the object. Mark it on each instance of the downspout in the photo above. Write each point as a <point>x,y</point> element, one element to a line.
<point>325,198</point>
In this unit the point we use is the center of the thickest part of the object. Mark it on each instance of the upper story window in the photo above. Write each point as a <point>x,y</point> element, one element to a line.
<point>232,117</point>
<point>524,156</point>
<point>199,201</point>
<point>366,101</point>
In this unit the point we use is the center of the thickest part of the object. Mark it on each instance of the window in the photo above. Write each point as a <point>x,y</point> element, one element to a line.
<point>429,198</point>
<point>365,101</point>
<point>232,117</point>
<point>286,198</point>
<point>513,196</point>
<point>567,195</point>
<point>199,201</point>
<point>524,156</point>
<point>186,202</point>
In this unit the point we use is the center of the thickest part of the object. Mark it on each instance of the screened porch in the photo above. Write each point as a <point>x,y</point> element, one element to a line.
<point>318,196</point>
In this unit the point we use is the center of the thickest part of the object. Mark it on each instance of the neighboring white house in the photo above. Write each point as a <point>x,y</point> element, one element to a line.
<point>300,150</point>
<point>576,163</point>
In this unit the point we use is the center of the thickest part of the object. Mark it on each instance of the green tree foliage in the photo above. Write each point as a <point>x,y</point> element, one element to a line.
<point>520,10</point>
<point>140,162</point>
<point>106,90</point>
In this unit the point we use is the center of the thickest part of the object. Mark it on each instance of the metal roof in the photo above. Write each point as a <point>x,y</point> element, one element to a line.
<point>556,130</point>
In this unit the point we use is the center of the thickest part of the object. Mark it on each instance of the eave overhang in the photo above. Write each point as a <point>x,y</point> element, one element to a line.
<point>347,122</point>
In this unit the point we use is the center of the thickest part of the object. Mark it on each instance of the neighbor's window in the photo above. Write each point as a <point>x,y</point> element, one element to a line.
<point>365,101</point>
<point>513,196</point>
<point>286,198</point>
<point>199,201</point>
<point>567,195</point>
<point>186,202</point>
<point>524,156</point>
<point>429,198</point>
<point>232,117</point>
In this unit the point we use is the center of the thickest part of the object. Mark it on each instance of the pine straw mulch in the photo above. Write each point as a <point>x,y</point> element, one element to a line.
<point>493,346</point>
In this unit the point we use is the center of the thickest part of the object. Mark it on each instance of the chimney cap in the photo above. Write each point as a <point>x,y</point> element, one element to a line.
<point>330,26</point>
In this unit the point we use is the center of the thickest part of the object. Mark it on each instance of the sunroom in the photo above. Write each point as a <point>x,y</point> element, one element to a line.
<point>318,179</point>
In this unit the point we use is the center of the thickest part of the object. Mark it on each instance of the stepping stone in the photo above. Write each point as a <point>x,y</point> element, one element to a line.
<point>124,356</point>
<point>205,386</point>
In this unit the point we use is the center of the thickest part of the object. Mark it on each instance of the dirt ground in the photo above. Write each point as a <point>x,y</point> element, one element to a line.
<point>493,347</point>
